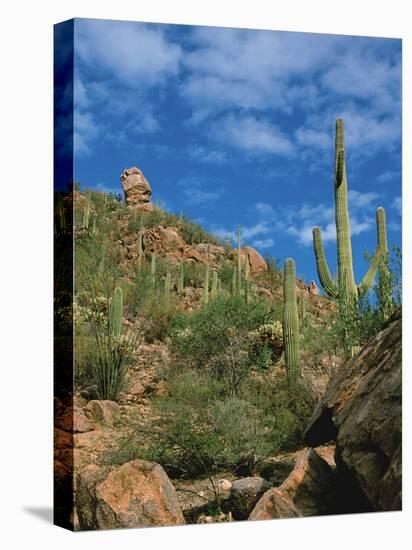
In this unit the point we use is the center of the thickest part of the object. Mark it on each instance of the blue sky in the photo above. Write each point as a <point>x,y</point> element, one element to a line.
<point>237,126</point>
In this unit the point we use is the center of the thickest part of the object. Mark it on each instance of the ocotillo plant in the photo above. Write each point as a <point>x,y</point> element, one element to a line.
<point>291,326</point>
<point>206,286</point>
<point>346,288</point>
<point>116,313</point>
<point>153,269</point>
<point>181,279</point>
<point>213,292</point>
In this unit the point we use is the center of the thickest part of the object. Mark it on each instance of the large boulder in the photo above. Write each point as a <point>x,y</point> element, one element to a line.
<point>256,263</point>
<point>245,493</point>
<point>103,411</point>
<point>136,494</point>
<point>274,504</point>
<point>137,190</point>
<point>311,485</point>
<point>361,410</point>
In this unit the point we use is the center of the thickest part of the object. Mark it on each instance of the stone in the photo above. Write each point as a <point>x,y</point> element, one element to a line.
<point>73,419</point>
<point>137,389</point>
<point>256,263</point>
<point>136,494</point>
<point>137,190</point>
<point>311,485</point>
<point>313,289</point>
<point>104,411</point>
<point>245,493</point>
<point>362,411</point>
<point>274,504</point>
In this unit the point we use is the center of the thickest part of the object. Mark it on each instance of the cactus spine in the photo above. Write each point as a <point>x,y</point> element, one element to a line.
<point>346,287</point>
<point>213,292</point>
<point>116,317</point>
<point>291,326</point>
<point>181,279</point>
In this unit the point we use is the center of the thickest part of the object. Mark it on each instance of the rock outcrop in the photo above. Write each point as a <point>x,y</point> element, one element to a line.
<point>137,190</point>
<point>274,504</point>
<point>257,264</point>
<point>245,493</point>
<point>136,494</point>
<point>309,490</point>
<point>361,410</point>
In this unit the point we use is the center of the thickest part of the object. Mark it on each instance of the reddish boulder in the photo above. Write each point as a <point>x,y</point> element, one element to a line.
<point>136,494</point>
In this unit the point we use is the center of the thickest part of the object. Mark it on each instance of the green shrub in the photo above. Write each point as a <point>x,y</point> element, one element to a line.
<point>217,338</point>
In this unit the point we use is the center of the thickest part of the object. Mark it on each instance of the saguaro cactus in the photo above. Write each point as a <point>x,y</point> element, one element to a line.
<point>346,287</point>
<point>116,313</point>
<point>384,290</point>
<point>86,211</point>
<point>168,286</point>
<point>213,292</point>
<point>139,251</point>
<point>291,325</point>
<point>181,279</point>
<point>239,263</point>
<point>206,286</point>
<point>153,269</point>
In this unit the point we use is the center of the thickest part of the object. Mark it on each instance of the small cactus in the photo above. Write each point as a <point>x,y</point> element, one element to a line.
<point>139,251</point>
<point>86,211</point>
<point>153,269</point>
<point>214,290</point>
<point>206,286</point>
<point>291,326</point>
<point>168,286</point>
<point>181,279</point>
<point>116,317</point>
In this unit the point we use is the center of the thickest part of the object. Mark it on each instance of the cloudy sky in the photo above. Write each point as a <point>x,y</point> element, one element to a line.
<point>237,126</point>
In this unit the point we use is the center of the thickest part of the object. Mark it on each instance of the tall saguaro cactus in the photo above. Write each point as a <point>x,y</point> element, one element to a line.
<point>206,286</point>
<point>291,325</point>
<point>346,287</point>
<point>239,263</point>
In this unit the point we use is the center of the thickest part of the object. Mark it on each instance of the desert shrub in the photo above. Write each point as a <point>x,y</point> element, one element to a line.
<point>199,428</point>
<point>194,233</point>
<point>217,337</point>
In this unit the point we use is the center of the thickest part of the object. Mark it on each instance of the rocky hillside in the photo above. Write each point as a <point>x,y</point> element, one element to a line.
<point>203,426</point>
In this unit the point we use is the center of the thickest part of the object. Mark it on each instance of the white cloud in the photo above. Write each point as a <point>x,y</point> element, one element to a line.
<point>358,200</point>
<point>397,205</point>
<point>202,154</point>
<point>388,175</point>
<point>137,54</point>
<point>197,192</point>
<point>265,243</point>
<point>252,135</point>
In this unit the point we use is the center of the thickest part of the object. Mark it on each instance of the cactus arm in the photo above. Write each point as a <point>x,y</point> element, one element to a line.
<point>381,226</point>
<point>369,276</point>
<point>380,254</point>
<point>321,264</point>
